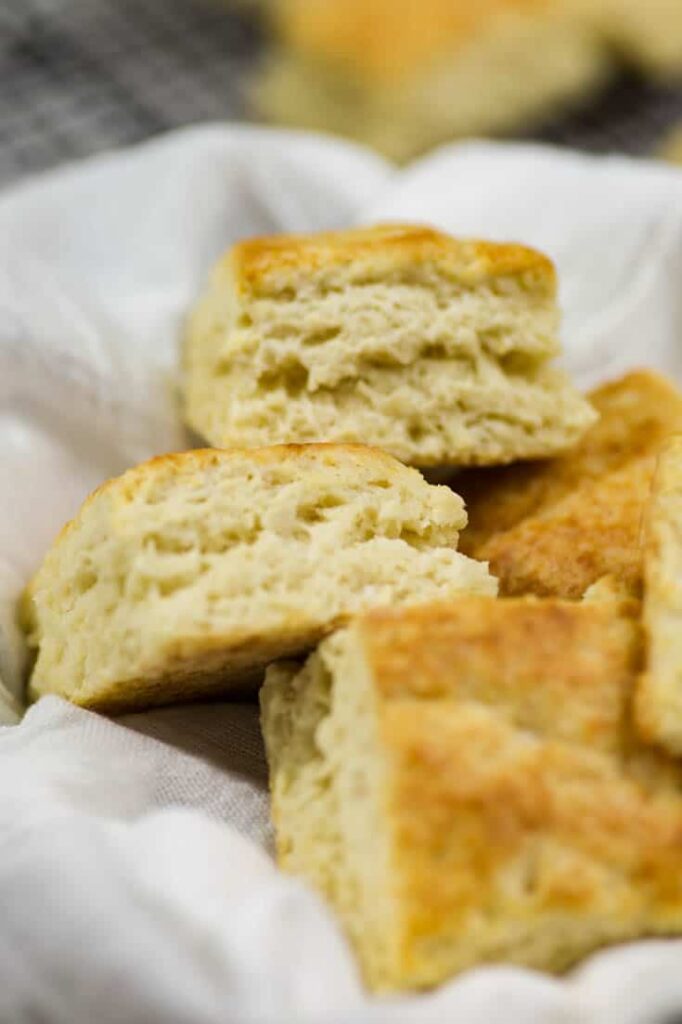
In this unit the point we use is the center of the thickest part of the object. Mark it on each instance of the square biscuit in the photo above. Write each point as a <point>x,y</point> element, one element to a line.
<point>186,575</point>
<point>592,532</point>
<point>435,349</point>
<point>554,528</point>
<point>637,412</point>
<point>462,783</point>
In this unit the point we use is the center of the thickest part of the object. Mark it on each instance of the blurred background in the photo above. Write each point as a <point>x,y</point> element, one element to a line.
<point>81,76</point>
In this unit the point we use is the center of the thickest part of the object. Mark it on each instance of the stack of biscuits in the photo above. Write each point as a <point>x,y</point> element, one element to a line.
<point>472,696</point>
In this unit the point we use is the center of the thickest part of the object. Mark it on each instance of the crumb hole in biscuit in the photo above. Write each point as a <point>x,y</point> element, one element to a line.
<point>228,539</point>
<point>292,378</point>
<point>168,587</point>
<point>330,501</point>
<point>320,336</point>
<point>415,539</point>
<point>85,580</point>
<point>434,350</point>
<point>382,361</point>
<point>310,514</point>
<point>518,363</point>
<point>166,544</point>
<point>315,513</point>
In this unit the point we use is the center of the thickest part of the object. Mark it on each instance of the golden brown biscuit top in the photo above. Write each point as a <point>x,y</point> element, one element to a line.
<point>636,413</point>
<point>256,264</point>
<point>517,780</point>
<point>556,668</point>
<point>593,531</point>
<point>167,468</point>
<point>320,453</point>
<point>386,39</point>
<point>479,807</point>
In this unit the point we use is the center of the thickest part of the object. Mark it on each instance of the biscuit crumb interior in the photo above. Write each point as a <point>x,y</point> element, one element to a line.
<point>184,574</point>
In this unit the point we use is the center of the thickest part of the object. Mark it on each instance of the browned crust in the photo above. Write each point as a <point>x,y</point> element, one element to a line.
<point>525,821</point>
<point>597,857</point>
<point>254,262</point>
<point>198,459</point>
<point>593,532</point>
<point>205,668</point>
<point>528,825</point>
<point>637,412</point>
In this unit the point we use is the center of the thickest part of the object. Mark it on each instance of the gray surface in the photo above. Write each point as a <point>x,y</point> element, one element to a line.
<point>80,76</point>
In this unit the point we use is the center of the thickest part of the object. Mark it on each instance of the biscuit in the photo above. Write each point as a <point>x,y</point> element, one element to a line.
<point>184,576</point>
<point>432,348</point>
<point>461,782</point>
<point>595,531</point>
<point>659,695</point>
<point>402,77</point>
<point>636,413</point>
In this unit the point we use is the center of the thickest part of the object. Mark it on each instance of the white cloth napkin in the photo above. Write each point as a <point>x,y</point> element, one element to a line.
<point>136,882</point>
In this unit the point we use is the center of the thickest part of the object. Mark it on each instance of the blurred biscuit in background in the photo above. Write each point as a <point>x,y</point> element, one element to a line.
<point>402,76</point>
